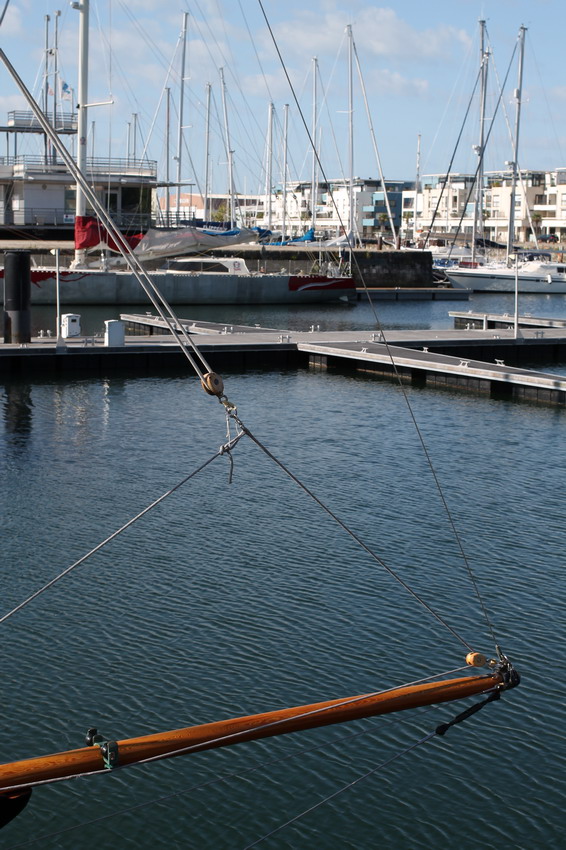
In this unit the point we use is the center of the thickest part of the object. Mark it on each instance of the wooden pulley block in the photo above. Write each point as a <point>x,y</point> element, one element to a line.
<point>212,383</point>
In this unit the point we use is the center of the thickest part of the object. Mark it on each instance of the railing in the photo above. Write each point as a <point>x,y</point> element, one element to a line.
<point>22,119</point>
<point>53,217</point>
<point>96,165</point>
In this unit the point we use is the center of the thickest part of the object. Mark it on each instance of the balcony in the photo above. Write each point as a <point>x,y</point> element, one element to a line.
<point>26,122</point>
<point>58,218</point>
<point>95,167</point>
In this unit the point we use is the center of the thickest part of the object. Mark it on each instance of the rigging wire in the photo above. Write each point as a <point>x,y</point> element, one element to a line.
<point>399,381</point>
<point>333,516</point>
<point>4,10</point>
<point>450,105</point>
<point>440,730</point>
<point>261,68</point>
<point>352,533</point>
<point>187,345</point>
<point>171,321</point>
<point>510,133</point>
<point>325,105</point>
<point>250,126</point>
<point>225,449</point>
<point>487,137</point>
<point>373,139</point>
<point>312,143</point>
<point>342,789</point>
<point>451,163</point>
<point>550,112</point>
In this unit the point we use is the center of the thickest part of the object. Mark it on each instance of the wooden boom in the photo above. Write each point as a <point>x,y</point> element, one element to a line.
<point>224,733</point>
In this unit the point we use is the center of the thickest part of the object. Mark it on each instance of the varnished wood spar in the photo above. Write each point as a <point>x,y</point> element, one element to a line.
<point>223,733</point>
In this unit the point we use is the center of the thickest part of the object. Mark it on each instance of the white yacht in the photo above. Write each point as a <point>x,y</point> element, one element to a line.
<point>531,275</point>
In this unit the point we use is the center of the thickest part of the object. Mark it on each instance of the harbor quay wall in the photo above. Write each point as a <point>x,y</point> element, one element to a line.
<point>375,268</point>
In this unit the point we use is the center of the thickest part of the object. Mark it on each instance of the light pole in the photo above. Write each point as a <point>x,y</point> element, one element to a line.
<point>59,344</point>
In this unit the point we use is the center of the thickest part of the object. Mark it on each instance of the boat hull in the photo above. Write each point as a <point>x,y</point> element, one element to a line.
<point>89,287</point>
<point>504,281</point>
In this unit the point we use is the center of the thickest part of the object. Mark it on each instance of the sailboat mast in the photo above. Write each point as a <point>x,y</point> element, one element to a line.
<point>82,113</point>
<point>285,144</point>
<point>207,153</point>
<point>350,136</point>
<point>46,84</point>
<point>478,209</point>
<point>269,168</point>
<point>56,75</point>
<point>167,156</point>
<point>181,111</point>
<point>417,185</point>
<point>515,164</point>
<point>313,133</point>
<point>228,150</point>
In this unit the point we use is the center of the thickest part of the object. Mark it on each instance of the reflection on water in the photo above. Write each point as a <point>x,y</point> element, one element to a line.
<point>18,410</point>
<point>229,599</point>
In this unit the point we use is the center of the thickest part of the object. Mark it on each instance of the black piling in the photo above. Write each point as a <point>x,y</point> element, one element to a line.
<point>17,296</point>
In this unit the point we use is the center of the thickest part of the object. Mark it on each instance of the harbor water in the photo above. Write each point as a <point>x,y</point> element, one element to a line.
<point>237,594</point>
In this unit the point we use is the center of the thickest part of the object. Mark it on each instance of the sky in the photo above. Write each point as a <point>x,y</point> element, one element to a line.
<point>419,64</point>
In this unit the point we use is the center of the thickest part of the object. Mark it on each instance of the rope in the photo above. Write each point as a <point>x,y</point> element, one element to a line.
<point>353,535</point>
<point>225,449</point>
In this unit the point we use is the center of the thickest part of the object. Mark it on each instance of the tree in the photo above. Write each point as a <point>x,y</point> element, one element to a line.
<point>220,213</point>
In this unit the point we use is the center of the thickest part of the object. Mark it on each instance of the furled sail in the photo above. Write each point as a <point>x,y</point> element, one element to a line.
<point>189,240</point>
<point>91,234</point>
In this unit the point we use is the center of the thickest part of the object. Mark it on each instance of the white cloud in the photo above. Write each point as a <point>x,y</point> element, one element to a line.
<point>12,23</point>
<point>386,82</point>
<point>377,30</point>
<point>12,102</point>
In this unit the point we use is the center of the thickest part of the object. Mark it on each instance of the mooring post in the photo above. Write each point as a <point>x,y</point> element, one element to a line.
<point>17,296</point>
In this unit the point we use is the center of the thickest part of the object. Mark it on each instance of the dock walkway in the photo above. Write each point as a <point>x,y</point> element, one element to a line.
<point>489,361</point>
<point>485,321</point>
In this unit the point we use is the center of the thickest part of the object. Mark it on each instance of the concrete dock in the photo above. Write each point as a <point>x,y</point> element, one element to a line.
<point>480,360</point>
<point>469,320</point>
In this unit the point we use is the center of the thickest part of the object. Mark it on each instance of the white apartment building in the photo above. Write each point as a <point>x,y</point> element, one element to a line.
<point>291,210</point>
<point>446,204</point>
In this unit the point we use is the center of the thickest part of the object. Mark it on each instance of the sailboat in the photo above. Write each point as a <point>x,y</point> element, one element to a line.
<point>182,279</point>
<point>527,271</point>
<point>103,755</point>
